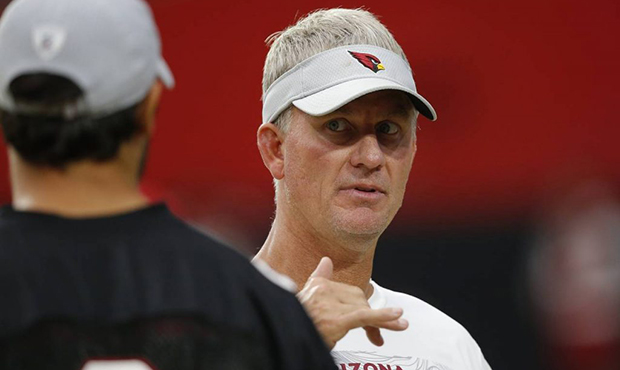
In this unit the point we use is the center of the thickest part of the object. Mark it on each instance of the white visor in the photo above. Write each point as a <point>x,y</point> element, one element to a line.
<point>325,82</point>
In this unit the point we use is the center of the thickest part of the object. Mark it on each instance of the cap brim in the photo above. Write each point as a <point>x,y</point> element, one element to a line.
<point>165,74</point>
<point>331,99</point>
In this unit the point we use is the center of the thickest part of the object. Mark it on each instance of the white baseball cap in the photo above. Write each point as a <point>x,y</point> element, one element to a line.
<point>110,48</point>
<point>326,81</point>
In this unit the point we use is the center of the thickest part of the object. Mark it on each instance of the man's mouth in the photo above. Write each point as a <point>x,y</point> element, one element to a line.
<point>366,190</point>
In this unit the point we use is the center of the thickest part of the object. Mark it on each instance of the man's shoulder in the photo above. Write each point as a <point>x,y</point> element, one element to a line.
<point>149,261</point>
<point>428,318</point>
<point>434,334</point>
<point>6,219</point>
<point>422,312</point>
<point>151,229</point>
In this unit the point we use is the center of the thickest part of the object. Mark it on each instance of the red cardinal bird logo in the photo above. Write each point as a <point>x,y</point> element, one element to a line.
<point>368,60</point>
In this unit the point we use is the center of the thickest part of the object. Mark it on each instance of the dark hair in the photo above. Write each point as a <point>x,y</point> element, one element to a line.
<point>45,134</point>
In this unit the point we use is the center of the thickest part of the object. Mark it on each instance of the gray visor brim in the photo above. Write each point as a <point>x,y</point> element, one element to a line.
<point>333,98</point>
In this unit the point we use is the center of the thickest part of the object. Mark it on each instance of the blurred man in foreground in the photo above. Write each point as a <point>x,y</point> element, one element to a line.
<point>92,276</point>
<point>340,108</point>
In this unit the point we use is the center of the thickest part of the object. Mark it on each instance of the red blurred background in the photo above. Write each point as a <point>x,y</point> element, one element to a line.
<point>526,93</point>
<point>525,90</point>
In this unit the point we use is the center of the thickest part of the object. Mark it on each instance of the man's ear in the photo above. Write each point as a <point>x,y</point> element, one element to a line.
<point>269,141</point>
<point>148,108</point>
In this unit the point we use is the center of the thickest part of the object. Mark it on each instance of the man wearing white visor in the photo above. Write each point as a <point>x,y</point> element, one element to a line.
<point>340,109</point>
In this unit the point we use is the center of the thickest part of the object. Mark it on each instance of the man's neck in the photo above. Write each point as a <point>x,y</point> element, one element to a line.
<point>295,251</point>
<point>85,189</point>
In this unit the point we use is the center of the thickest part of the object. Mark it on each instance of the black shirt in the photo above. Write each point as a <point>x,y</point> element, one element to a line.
<point>141,285</point>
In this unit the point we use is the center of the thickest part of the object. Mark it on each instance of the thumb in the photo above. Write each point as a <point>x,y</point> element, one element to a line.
<point>325,269</point>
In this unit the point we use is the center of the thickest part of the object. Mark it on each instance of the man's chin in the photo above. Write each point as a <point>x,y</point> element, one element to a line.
<point>361,222</point>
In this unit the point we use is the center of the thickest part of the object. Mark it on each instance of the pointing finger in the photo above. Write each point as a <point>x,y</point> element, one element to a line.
<point>325,269</point>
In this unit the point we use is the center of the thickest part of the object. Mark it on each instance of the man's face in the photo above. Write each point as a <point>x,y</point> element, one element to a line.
<point>345,173</point>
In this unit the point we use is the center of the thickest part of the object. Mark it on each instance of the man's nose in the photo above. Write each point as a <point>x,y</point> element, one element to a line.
<point>368,153</point>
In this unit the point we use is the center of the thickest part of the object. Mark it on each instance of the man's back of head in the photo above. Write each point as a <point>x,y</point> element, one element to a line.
<point>79,87</point>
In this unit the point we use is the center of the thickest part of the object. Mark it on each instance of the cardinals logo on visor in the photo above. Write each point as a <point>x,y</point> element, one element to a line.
<point>368,60</point>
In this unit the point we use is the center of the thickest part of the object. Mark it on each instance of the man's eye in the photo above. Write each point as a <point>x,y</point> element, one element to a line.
<point>388,128</point>
<point>337,125</point>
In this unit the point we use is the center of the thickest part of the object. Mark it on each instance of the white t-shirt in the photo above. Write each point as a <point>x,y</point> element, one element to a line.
<point>433,341</point>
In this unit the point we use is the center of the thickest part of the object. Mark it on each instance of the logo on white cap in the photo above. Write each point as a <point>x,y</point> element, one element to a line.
<point>368,60</point>
<point>48,41</point>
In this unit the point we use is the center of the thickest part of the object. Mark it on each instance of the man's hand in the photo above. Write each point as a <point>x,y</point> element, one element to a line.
<point>337,308</point>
